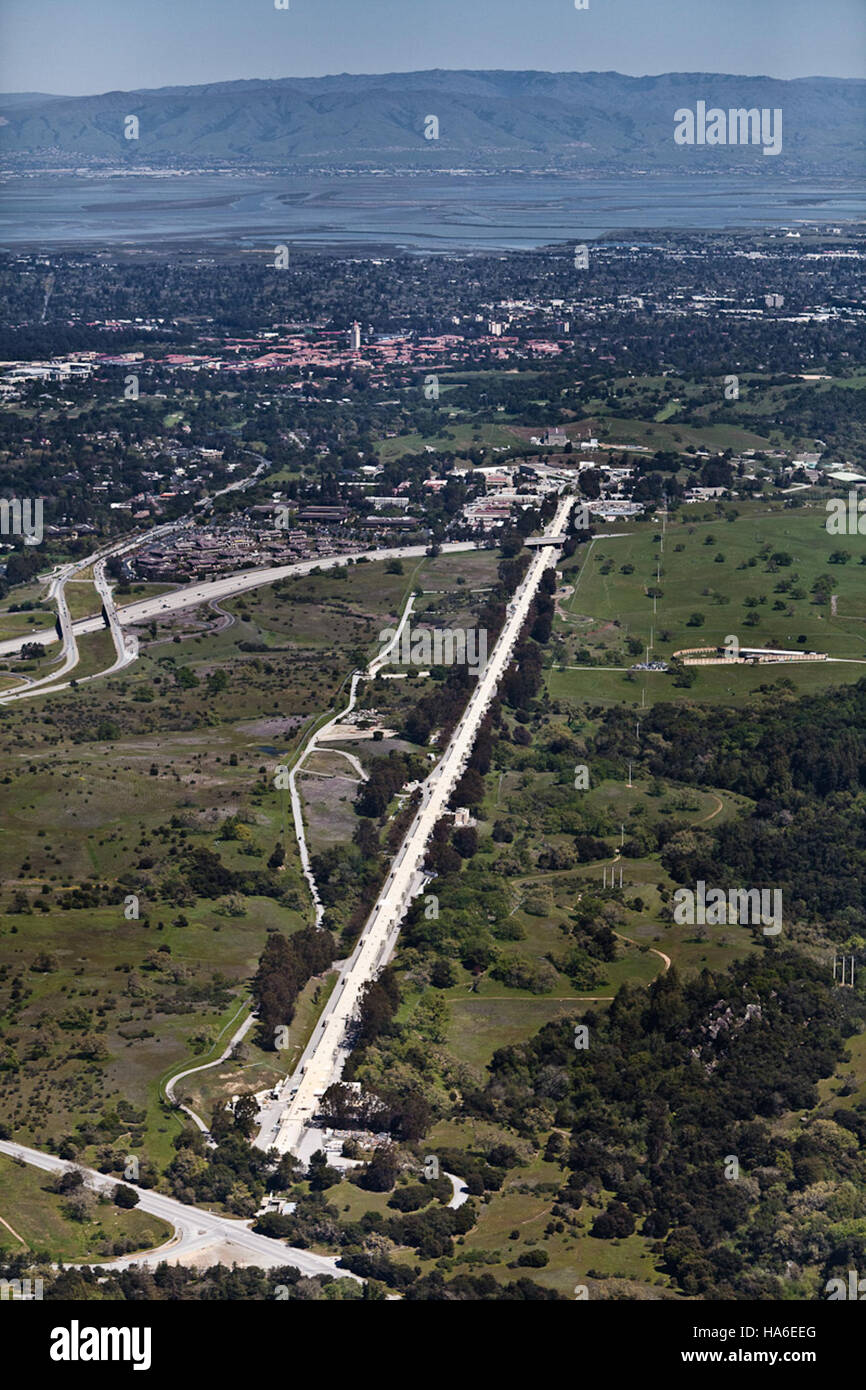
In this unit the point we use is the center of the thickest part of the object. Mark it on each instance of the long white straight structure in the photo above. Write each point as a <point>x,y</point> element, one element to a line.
<point>323,1059</point>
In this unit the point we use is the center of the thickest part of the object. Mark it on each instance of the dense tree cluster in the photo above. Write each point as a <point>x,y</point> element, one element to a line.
<point>387,776</point>
<point>676,1082</point>
<point>286,964</point>
<point>176,1283</point>
<point>802,762</point>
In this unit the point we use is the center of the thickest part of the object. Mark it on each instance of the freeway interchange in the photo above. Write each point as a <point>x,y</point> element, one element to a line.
<point>190,596</point>
<point>143,611</point>
<point>126,647</point>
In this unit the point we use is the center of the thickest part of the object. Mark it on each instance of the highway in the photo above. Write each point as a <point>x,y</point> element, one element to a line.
<point>126,649</point>
<point>195,1228</point>
<point>286,1125</point>
<point>69,648</point>
<point>190,596</point>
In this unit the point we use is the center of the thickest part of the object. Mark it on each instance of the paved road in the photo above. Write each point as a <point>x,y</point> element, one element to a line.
<point>286,1126</point>
<point>194,1227</point>
<point>351,759</point>
<point>127,649</point>
<point>68,657</point>
<point>458,1187</point>
<point>190,596</point>
<point>236,1037</point>
<point>239,485</point>
<point>194,594</point>
<point>297,810</point>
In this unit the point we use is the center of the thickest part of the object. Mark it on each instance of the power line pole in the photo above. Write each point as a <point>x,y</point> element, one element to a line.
<point>843,965</point>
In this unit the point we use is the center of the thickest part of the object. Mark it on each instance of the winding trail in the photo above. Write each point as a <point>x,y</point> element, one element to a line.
<point>667,960</point>
<point>13,1232</point>
<point>205,1066</point>
<point>228,619</point>
<point>297,768</point>
<point>712,815</point>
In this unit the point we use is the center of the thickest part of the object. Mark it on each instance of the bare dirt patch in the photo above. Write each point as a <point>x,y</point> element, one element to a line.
<point>271,728</point>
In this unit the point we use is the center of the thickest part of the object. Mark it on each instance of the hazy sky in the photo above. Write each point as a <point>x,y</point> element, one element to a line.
<point>85,46</point>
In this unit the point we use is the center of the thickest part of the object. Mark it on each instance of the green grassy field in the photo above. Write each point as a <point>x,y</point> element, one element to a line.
<point>524,1206</point>
<point>82,598</point>
<point>766,413</point>
<point>36,1214</point>
<point>702,602</point>
<point>453,436</point>
<point>23,624</point>
<point>483,1013</point>
<point>105,788</point>
<point>621,431</point>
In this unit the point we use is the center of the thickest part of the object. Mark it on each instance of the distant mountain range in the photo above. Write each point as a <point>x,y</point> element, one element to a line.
<point>593,121</point>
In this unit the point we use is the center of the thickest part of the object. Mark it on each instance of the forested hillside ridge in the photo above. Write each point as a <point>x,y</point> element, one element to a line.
<point>803,765</point>
<point>598,121</point>
<point>678,1113</point>
<point>811,747</point>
